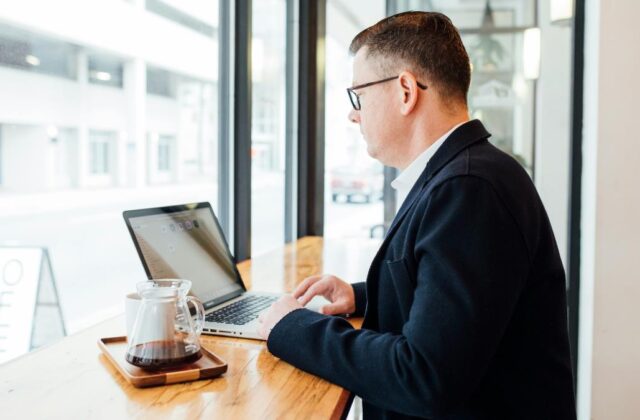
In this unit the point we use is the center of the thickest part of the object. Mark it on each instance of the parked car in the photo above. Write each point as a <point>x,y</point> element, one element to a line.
<point>357,182</point>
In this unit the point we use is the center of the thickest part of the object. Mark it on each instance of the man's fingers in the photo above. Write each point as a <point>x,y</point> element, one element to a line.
<point>315,289</point>
<point>306,283</point>
<point>335,308</point>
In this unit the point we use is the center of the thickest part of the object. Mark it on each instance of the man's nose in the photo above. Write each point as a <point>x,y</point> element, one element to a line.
<point>354,116</point>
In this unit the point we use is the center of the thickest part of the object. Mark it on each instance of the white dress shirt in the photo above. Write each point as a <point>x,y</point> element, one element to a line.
<point>404,182</point>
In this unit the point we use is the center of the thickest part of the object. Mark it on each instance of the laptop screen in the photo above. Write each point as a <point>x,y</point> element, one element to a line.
<point>186,242</point>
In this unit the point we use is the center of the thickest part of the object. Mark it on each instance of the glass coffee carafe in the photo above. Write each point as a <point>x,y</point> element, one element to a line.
<point>164,333</point>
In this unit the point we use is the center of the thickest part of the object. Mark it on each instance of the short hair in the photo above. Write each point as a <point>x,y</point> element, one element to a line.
<point>426,41</point>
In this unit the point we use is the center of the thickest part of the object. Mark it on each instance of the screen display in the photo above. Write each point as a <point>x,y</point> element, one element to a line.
<point>187,245</point>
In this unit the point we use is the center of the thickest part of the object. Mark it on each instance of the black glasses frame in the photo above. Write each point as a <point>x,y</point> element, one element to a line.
<point>355,98</point>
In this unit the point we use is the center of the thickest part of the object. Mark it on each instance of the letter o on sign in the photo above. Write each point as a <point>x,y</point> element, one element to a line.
<point>12,272</point>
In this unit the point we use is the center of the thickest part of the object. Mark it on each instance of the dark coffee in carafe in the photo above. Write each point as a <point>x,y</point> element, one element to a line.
<point>162,354</point>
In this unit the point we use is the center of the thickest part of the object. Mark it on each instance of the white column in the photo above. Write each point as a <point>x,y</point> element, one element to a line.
<point>50,149</point>
<point>135,86</point>
<point>83,130</point>
<point>609,348</point>
<point>121,159</point>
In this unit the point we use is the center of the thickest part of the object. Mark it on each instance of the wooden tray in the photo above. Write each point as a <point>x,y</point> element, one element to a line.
<point>208,366</point>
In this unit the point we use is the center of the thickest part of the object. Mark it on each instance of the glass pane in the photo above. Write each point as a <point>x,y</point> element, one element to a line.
<point>475,14</point>
<point>105,70</point>
<point>96,122</point>
<point>353,180</point>
<point>101,145</point>
<point>501,92</point>
<point>526,108</point>
<point>268,125</point>
<point>500,95</point>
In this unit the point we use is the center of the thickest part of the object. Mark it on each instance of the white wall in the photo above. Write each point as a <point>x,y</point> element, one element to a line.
<point>29,98</point>
<point>26,163</point>
<point>203,10</point>
<point>609,364</point>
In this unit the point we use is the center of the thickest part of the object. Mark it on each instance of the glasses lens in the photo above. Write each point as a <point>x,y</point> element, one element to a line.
<point>355,101</point>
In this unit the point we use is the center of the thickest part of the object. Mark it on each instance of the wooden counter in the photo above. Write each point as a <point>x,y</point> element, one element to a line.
<point>73,380</point>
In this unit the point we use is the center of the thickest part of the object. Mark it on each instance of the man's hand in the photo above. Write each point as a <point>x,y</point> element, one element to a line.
<point>337,291</point>
<point>269,318</point>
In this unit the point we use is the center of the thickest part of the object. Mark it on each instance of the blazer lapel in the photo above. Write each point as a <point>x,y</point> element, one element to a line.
<point>464,136</point>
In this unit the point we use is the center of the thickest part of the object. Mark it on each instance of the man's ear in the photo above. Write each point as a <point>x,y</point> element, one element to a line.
<point>409,92</point>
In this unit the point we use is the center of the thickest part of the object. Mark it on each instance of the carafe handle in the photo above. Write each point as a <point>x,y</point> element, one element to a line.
<point>199,313</point>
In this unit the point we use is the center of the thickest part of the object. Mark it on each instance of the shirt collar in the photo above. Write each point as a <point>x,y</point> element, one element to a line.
<point>404,182</point>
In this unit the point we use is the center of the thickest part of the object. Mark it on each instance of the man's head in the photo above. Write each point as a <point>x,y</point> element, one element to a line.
<point>422,49</point>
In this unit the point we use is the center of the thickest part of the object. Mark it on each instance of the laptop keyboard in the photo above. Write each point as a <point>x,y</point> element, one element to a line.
<point>242,311</point>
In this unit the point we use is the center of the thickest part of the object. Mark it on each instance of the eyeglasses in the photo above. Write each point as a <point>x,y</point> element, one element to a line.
<point>355,98</point>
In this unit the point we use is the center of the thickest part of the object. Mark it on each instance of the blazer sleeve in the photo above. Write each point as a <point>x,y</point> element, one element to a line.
<point>360,293</point>
<point>472,263</point>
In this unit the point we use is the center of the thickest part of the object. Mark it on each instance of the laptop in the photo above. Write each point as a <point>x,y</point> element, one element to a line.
<point>186,242</point>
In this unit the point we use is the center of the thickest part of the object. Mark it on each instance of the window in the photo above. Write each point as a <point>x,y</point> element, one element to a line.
<point>105,70</point>
<point>96,122</point>
<point>99,149</point>
<point>31,52</point>
<point>268,122</point>
<point>164,153</point>
<point>353,180</point>
<point>160,82</point>
<point>502,90</point>
<point>520,88</point>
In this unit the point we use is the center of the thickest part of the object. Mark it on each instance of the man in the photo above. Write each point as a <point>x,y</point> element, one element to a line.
<point>464,305</point>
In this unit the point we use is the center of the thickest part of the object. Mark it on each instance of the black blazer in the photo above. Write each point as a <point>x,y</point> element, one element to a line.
<point>465,301</point>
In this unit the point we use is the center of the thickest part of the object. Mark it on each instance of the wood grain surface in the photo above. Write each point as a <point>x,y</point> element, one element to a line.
<point>72,379</point>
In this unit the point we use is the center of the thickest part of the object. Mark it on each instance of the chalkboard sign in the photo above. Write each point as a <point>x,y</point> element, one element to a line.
<point>28,299</point>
